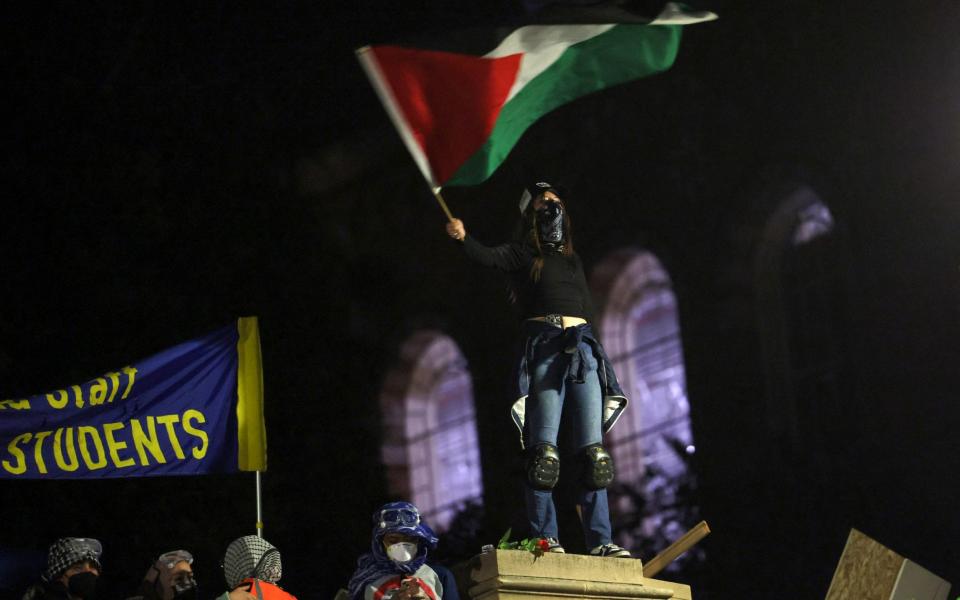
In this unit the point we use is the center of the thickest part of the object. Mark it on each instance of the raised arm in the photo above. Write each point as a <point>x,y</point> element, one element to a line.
<point>506,257</point>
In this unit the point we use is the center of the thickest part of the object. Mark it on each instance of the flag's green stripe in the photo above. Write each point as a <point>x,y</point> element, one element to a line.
<point>623,53</point>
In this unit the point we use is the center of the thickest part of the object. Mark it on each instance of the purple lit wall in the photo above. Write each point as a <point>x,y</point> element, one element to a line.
<point>430,433</point>
<point>641,334</point>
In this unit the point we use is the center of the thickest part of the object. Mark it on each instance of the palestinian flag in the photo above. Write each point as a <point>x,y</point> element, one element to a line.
<point>460,115</point>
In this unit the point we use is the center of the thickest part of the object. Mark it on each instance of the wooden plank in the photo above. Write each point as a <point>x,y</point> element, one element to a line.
<point>686,541</point>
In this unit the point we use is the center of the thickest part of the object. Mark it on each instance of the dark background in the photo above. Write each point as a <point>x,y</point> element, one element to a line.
<point>171,167</point>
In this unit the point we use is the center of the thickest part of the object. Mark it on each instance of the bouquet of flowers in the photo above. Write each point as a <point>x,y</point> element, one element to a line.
<point>536,545</point>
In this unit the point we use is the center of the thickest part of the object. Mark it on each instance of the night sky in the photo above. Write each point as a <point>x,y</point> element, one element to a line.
<point>150,198</point>
<point>169,168</point>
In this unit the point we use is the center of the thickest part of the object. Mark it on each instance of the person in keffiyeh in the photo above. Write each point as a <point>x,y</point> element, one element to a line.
<point>252,568</point>
<point>395,568</point>
<point>72,572</point>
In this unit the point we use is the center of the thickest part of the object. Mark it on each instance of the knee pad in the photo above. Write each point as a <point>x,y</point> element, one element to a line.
<point>543,467</point>
<point>598,469</point>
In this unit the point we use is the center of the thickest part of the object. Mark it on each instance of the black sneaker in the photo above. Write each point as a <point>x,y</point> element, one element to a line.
<point>611,550</point>
<point>553,545</point>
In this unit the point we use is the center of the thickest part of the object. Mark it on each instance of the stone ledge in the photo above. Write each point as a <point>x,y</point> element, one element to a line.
<point>556,566</point>
<point>518,574</point>
<point>566,588</point>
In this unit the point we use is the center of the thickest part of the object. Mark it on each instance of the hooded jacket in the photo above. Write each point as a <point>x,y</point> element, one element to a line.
<point>378,577</point>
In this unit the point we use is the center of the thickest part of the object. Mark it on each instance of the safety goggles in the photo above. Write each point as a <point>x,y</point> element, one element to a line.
<point>399,517</point>
<point>170,559</point>
<point>87,546</point>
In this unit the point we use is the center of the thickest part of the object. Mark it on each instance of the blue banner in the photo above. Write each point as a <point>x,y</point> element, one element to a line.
<point>192,409</point>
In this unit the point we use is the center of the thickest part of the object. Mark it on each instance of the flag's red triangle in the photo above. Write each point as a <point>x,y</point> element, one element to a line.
<point>450,101</point>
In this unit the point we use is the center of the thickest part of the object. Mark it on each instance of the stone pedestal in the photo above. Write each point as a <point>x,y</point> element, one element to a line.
<point>520,575</point>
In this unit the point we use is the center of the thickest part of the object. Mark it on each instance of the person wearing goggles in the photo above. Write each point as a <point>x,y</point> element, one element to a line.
<point>170,577</point>
<point>396,567</point>
<point>72,572</point>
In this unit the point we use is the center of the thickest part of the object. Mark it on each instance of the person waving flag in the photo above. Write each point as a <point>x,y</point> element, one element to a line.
<point>459,115</point>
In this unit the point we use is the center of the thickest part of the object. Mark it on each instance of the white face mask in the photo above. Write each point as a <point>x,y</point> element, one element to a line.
<point>402,552</point>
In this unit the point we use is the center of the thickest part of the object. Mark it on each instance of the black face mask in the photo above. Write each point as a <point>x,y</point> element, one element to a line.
<point>550,224</point>
<point>83,585</point>
<point>185,588</point>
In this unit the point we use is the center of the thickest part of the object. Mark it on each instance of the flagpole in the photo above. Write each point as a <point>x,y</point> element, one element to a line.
<point>443,204</point>
<point>371,67</point>
<point>259,510</point>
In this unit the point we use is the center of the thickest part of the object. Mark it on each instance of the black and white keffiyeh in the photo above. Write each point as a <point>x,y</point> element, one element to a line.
<point>67,552</point>
<point>251,557</point>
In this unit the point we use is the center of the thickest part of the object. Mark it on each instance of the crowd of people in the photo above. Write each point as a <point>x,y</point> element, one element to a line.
<point>397,567</point>
<point>251,569</point>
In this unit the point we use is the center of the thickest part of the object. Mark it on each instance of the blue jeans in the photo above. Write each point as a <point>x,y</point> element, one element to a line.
<point>550,391</point>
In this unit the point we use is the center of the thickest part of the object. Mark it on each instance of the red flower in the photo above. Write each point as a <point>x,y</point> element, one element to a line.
<point>543,544</point>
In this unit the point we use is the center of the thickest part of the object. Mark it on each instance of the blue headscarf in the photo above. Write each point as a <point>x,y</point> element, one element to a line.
<point>376,564</point>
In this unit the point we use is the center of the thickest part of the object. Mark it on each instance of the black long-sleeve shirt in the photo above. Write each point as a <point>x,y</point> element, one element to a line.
<point>561,288</point>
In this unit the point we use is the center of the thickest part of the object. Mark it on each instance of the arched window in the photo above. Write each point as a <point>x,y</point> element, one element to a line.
<point>641,334</point>
<point>640,331</point>
<point>812,220</point>
<point>430,433</point>
<point>800,291</point>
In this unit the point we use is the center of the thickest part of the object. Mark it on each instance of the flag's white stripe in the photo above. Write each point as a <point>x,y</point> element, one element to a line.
<point>675,14</point>
<point>372,68</point>
<point>542,45</point>
<point>535,39</point>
